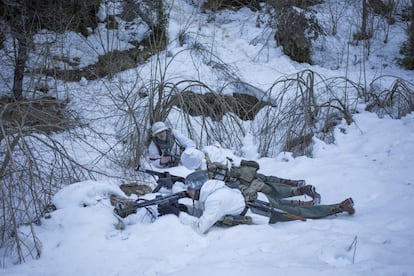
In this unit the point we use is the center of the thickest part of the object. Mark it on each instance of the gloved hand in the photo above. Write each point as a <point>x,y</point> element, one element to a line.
<point>183,207</point>
<point>168,209</point>
<point>186,219</point>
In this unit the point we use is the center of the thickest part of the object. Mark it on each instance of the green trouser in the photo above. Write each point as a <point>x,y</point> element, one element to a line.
<point>313,212</point>
<point>276,180</point>
<point>275,189</point>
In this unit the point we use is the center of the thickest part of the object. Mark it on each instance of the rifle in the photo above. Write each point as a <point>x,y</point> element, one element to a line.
<point>174,158</point>
<point>124,210</point>
<point>165,179</point>
<point>266,209</point>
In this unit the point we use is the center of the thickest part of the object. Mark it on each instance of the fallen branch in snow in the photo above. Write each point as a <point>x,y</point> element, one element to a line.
<point>353,245</point>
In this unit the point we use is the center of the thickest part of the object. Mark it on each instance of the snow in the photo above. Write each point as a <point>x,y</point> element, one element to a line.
<point>370,161</point>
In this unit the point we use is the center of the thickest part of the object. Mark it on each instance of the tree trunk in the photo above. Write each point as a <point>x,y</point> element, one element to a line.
<point>21,59</point>
<point>411,30</point>
<point>364,19</point>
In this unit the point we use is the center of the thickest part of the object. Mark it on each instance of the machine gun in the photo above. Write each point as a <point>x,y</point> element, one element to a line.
<point>165,179</point>
<point>123,209</point>
<point>174,158</point>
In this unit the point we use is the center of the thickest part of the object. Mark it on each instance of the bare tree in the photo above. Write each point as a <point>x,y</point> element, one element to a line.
<point>24,18</point>
<point>34,165</point>
<point>363,32</point>
<point>336,12</point>
<point>20,21</point>
<point>407,49</point>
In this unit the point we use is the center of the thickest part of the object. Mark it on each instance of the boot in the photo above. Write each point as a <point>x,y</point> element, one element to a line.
<point>345,206</point>
<point>299,183</point>
<point>308,190</point>
<point>316,198</point>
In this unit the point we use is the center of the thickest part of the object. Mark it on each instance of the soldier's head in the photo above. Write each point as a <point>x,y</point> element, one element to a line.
<point>159,130</point>
<point>194,182</point>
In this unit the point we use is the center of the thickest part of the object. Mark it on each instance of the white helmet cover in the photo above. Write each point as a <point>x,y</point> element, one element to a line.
<point>192,158</point>
<point>157,127</point>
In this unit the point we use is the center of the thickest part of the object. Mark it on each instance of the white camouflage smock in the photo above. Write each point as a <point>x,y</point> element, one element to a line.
<point>154,154</point>
<point>216,201</point>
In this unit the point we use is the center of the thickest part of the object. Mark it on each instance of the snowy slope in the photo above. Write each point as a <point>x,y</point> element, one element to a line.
<point>372,162</point>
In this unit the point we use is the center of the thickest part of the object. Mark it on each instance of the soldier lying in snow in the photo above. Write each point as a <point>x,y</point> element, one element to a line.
<point>222,195</point>
<point>218,202</point>
<point>246,178</point>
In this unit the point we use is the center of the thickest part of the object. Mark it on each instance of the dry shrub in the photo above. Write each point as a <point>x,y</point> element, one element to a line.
<point>396,101</point>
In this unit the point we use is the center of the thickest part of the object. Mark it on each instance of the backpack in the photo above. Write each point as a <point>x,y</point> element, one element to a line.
<point>245,173</point>
<point>243,177</point>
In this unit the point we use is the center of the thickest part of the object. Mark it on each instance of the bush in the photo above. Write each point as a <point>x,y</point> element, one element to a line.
<point>295,32</point>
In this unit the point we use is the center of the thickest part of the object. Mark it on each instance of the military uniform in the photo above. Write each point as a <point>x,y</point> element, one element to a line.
<point>277,190</point>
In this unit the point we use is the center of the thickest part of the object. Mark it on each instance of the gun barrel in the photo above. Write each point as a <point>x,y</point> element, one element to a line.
<point>161,200</point>
<point>165,175</point>
<point>123,211</point>
<point>165,179</point>
<point>159,174</point>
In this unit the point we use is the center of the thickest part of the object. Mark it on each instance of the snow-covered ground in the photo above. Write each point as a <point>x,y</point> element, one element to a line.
<point>370,161</point>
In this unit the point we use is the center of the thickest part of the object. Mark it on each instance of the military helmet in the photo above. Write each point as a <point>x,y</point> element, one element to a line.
<point>196,180</point>
<point>157,127</point>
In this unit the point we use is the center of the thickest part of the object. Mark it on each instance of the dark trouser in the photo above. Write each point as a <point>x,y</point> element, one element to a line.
<point>313,212</point>
<point>276,191</point>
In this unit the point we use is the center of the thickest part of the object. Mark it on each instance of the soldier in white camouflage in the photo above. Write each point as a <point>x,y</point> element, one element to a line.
<point>218,202</point>
<point>277,190</point>
<point>167,145</point>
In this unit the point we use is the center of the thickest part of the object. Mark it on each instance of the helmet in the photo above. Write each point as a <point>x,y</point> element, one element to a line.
<point>196,180</point>
<point>192,158</point>
<point>157,127</point>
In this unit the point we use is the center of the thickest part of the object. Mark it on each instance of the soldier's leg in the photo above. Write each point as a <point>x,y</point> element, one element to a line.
<point>275,179</point>
<point>316,212</point>
<point>274,188</point>
<point>271,190</point>
<point>276,192</point>
<point>284,203</point>
<point>308,190</point>
<point>295,202</point>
